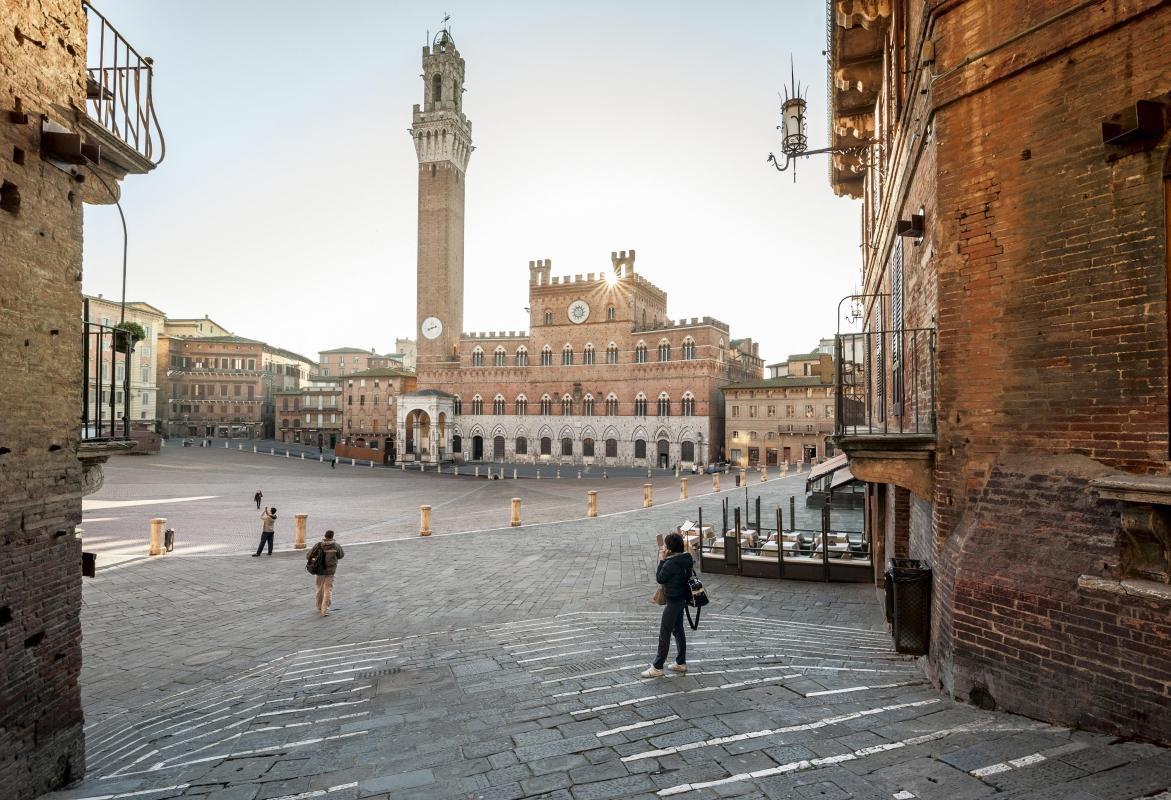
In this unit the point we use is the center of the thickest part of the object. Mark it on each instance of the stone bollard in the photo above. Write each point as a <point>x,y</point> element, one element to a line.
<point>763,474</point>
<point>558,474</point>
<point>455,471</point>
<point>402,467</point>
<point>683,488</point>
<point>299,525</point>
<point>286,454</point>
<point>676,470</point>
<point>156,535</point>
<point>162,443</point>
<point>647,500</point>
<point>515,522</point>
<point>321,458</point>
<point>477,472</point>
<point>353,463</point>
<point>253,448</point>
<point>424,520</point>
<point>605,476</point>
<point>240,446</point>
<point>538,474</point>
<point>579,474</point>
<point>226,445</point>
<point>715,481</point>
<point>371,463</point>
<point>514,473</point>
<point>302,456</point>
<point>592,510</point>
<point>648,472</point>
<point>744,476</point>
<point>272,451</point>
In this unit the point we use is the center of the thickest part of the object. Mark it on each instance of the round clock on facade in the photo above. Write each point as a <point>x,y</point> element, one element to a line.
<point>432,327</point>
<point>579,311</point>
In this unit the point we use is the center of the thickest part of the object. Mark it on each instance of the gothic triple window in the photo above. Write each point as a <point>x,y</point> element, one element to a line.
<point>587,405</point>
<point>611,405</point>
<point>664,350</point>
<point>546,405</point>
<point>688,349</point>
<point>546,356</point>
<point>522,357</point>
<point>522,405</point>
<point>498,405</point>
<point>612,353</point>
<point>498,357</point>
<point>478,357</point>
<point>587,356</point>
<point>664,405</point>
<point>567,354</point>
<point>640,405</point>
<point>566,406</point>
<point>477,405</point>
<point>688,405</point>
<point>640,353</point>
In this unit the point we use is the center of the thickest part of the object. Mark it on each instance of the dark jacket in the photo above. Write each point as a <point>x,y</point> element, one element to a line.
<point>332,550</point>
<point>673,574</point>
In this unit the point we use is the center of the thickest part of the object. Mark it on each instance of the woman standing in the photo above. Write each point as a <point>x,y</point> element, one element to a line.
<point>674,569</point>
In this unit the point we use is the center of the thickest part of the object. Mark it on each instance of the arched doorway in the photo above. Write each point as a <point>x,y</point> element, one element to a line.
<point>418,433</point>
<point>498,448</point>
<point>477,448</point>
<point>664,450</point>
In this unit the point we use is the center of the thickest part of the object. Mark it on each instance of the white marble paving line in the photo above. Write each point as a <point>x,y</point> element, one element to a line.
<point>646,698</point>
<point>641,682</point>
<point>320,669</point>
<point>1028,760</point>
<point>140,759</point>
<point>313,708</point>
<point>95,746</point>
<point>721,659</point>
<point>312,793</point>
<point>338,692</point>
<point>806,726</point>
<point>389,647</point>
<point>814,763</point>
<point>140,793</point>
<point>327,683</point>
<point>96,505</point>
<point>548,646</point>
<point>603,644</point>
<point>637,726</point>
<point>865,633</point>
<point>241,753</point>
<point>338,718</point>
<point>407,637</point>
<point>851,689</point>
<point>621,668</point>
<point>246,721</point>
<point>213,721</point>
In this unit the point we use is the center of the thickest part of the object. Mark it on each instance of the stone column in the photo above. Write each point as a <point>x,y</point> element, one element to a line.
<point>515,522</point>
<point>593,503</point>
<point>683,488</point>
<point>715,481</point>
<point>647,499</point>
<point>156,535</point>
<point>763,473</point>
<point>299,525</point>
<point>424,520</point>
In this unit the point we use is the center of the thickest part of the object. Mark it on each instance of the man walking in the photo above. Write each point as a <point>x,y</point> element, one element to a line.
<point>258,497</point>
<point>333,463</point>
<point>267,530</point>
<point>327,551</point>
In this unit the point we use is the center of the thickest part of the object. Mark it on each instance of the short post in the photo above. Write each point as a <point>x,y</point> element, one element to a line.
<point>353,462</point>
<point>371,463</point>
<point>744,476</point>
<point>456,471</point>
<point>683,488</point>
<point>302,456</point>
<point>647,499</point>
<point>605,476</point>
<point>676,470</point>
<point>226,445</point>
<point>515,522</point>
<point>538,474</point>
<point>286,454</point>
<point>558,473</point>
<point>792,512</point>
<point>579,474</point>
<point>424,520</point>
<point>240,446</point>
<point>763,473</point>
<point>648,472</point>
<point>715,482</point>
<point>403,467</point>
<point>514,473</point>
<point>156,535</point>
<point>477,472</point>
<point>253,448</point>
<point>321,458</point>
<point>272,451</point>
<point>299,525</point>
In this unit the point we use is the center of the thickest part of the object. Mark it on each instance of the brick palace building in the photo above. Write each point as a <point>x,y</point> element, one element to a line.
<point>603,375</point>
<point>1011,412</point>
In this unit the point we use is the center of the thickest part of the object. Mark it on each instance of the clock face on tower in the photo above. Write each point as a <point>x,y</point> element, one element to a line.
<point>579,311</point>
<point>432,327</point>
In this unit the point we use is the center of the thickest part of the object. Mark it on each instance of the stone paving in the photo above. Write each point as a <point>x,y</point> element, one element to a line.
<point>504,664</point>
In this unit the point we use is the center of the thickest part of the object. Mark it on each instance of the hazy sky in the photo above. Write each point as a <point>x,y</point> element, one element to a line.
<point>285,207</point>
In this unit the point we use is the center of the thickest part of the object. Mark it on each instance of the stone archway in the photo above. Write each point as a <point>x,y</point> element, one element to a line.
<point>664,453</point>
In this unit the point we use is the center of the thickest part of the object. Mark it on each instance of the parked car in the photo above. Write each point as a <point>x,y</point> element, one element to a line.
<point>716,466</point>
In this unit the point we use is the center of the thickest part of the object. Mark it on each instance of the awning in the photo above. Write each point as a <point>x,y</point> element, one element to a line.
<point>841,478</point>
<point>826,467</point>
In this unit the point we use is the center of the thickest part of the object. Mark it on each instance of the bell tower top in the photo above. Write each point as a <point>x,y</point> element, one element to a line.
<point>440,129</point>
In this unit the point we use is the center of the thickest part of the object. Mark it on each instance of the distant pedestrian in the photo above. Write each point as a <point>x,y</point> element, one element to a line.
<point>320,450</point>
<point>258,497</point>
<point>327,551</point>
<point>267,530</point>
<point>333,463</point>
<point>675,567</point>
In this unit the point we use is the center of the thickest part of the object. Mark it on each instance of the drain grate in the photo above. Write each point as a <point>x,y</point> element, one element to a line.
<point>585,666</point>
<point>378,673</point>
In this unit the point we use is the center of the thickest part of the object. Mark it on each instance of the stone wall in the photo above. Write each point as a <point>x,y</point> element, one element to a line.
<point>42,60</point>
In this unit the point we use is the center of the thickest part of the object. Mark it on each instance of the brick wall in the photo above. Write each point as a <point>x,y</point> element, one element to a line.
<point>42,59</point>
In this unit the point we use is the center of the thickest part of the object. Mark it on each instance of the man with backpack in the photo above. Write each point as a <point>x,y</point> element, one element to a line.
<point>322,563</point>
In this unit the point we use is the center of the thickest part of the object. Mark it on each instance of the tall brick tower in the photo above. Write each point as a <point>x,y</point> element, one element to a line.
<point>443,143</point>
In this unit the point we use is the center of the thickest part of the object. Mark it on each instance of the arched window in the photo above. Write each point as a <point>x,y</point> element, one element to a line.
<point>664,404</point>
<point>587,405</point>
<point>522,446</point>
<point>611,448</point>
<point>567,446</point>
<point>688,404</point>
<point>546,405</point>
<point>477,405</point>
<point>567,354</point>
<point>566,405</point>
<point>498,357</point>
<point>640,405</point>
<point>478,357</point>
<point>611,353</point>
<point>587,448</point>
<point>437,88</point>
<point>587,356</point>
<point>522,356</point>
<point>664,350</point>
<point>610,312</point>
<point>611,405</point>
<point>687,451</point>
<point>457,443</point>
<point>640,353</point>
<point>498,405</point>
<point>284,423</point>
<point>546,446</point>
<point>639,448</point>
<point>546,356</point>
<point>548,317</point>
<point>688,349</point>
<point>522,405</point>
<point>457,405</point>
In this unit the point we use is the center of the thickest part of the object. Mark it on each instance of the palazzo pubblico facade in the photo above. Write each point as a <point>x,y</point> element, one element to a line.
<point>602,376</point>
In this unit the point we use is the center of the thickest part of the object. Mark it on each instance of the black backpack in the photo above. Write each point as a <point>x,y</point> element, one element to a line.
<point>315,564</point>
<point>698,600</point>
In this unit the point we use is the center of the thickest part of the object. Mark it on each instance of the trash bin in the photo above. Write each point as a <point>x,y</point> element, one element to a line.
<point>737,480</point>
<point>169,539</point>
<point>908,605</point>
<point>89,565</point>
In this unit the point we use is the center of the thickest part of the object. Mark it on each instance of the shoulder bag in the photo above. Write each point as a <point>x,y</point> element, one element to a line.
<point>698,600</point>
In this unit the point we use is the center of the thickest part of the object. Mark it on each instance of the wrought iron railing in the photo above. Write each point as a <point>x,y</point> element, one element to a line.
<point>104,349</point>
<point>885,382</point>
<point>118,88</point>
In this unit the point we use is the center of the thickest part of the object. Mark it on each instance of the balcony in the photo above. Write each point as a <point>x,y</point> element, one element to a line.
<point>105,422</point>
<point>886,405</point>
<point>120,115</point>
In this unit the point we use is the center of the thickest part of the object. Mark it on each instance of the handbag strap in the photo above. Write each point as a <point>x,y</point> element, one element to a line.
<point>687,610</point>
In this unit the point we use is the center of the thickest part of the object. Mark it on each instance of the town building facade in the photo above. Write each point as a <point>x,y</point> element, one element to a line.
<point>194,327</point>
<point>342,361</point>
<point>601,376</point>
<point>370,412</point>
<point>142,366</point>
<point>1008,404</point>
<point>310,415</point>
<point>782,420</point>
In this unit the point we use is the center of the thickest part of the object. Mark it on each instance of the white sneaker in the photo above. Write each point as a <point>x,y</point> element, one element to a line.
<point>680,668</point>
<point>653,672</point>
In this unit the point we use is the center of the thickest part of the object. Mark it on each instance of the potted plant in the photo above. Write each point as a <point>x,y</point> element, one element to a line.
<point>126,335</point>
